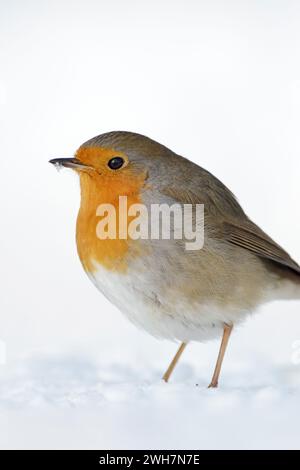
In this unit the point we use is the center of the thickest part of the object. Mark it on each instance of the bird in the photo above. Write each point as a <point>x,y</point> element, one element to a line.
<point>167,290</point>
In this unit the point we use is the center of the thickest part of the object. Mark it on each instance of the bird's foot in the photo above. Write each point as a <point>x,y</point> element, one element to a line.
<point>213,385</point>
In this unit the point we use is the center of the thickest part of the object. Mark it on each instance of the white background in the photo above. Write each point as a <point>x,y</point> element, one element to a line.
<point>218,82</point>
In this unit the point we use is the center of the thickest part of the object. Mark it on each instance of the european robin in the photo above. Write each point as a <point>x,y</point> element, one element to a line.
<point>161,286</point>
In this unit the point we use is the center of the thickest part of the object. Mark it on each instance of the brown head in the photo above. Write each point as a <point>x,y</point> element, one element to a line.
<point>112,165</point>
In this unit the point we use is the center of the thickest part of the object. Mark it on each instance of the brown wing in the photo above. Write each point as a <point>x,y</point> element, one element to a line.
<point>232,223</point>
<point>249,236</point>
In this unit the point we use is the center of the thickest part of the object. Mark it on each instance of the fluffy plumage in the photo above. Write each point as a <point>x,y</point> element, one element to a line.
<point>165,289</point>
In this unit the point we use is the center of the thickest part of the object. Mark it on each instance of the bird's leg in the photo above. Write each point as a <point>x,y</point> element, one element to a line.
<point>175,359</point>
<point>226,334</point>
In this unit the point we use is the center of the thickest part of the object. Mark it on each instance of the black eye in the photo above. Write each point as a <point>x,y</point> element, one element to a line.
<point>115,163</point>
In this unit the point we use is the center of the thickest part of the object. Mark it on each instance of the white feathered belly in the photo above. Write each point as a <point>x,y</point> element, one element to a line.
<point>178,320</point>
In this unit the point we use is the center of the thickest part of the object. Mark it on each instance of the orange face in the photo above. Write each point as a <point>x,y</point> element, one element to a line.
<point>102,182</point>
<point>98,158</point>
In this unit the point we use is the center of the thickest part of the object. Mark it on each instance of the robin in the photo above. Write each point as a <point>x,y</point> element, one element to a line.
<point>171,292</point>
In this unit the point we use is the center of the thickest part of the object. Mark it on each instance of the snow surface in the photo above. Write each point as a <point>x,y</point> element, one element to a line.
<point>73,401</point>
<point>218,82</point>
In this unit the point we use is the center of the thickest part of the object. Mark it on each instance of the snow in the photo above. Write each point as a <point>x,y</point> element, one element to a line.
<point>218,82</point>
<point>75,401</point>
<point>101,413</point>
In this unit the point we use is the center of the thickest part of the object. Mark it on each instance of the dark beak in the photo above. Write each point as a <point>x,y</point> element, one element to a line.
<point>69,163</point>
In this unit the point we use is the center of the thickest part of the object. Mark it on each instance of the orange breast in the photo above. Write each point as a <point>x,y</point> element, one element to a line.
<point>113,254</point>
